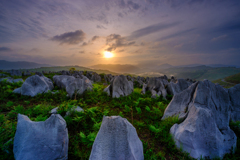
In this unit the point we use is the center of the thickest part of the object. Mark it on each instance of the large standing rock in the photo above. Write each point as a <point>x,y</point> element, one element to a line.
<point>93,76</point>
<point>46,140</point>
<point>234,94</point>
<point>178,86</point>
<point>72,85</point>
<point>62,80</point>
<point>156,86</point>
<point>78,86</point>
<point>117,139</point>
<point>179,104</point>
<point>34,85</point>
<point>119,86</point>
<point>205,132</point>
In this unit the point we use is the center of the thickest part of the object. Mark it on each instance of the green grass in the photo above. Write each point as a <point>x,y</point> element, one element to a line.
<point>223,84</point>
<point>233,79</point>
<point>141,110</point>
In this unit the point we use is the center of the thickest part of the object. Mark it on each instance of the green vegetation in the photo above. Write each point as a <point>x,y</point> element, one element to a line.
<point>223,83</point>
<point>201,72</point>
<point>142,111</point>
<point>233,79</point>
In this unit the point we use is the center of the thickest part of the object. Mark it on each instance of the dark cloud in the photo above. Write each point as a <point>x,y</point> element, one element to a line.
<point>181,33</point>
<point>70,38</point>
<point>219,38</point>
<point>133,5</point>
<point>101,27</point>
<point>115,41</point>
<point>152,29</point>
<point>174,3</point>
<point>84,44</point>
<point>5,49</point>
<point>120,15</point>
<point>81,52</point>
<point>95,38</point>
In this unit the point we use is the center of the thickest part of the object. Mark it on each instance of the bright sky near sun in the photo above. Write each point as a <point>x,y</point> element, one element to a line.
<point>144,32</point>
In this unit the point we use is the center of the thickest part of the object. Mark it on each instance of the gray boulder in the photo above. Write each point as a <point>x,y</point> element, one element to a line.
<point>178,105</point>
<point>62,80</point>
<point>39,73</point>
<point>119,86</point>
<point>73,85</point>
<point>11,80</point>
<point>34,85</point>
<point>117,139</point>
<point>27,73</point>
<point>205,131</point>
<point>108,78</point>
<point>234,94</point>
<point>177,86</point>
<point>93,76</point>
<point>3,75</point>
<point>46,140</point>
<point>78,86</point>
<point>74,109</point>
<point>15,72</point>
<point>156,86</point>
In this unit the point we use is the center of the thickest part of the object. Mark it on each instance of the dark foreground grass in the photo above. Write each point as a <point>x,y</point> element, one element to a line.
<point>142,111</point>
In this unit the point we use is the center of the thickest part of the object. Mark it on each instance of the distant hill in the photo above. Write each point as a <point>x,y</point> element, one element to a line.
<point>79,68</point>
<point>164,66</point>
<point>200,72</point>
<point>120,68</point>
<point>7,65</point>
<point>233,79</point>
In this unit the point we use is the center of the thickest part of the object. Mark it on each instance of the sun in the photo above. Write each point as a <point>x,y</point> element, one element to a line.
<point>108,54</point>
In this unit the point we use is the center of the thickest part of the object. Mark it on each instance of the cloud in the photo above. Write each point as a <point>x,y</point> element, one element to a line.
<point>101,27</point>
<point>115,41</point>
<point>70,38</point>
<point>5,49</point>
<point>84,44</point>
<point>152,29</point>
<point>95,38</point>
<point>176,34</point>
<point>219,38</point>
<point>81,52</point>
<point>133,5</point>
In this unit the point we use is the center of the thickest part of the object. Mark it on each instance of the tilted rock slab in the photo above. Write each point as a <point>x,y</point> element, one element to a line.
<point>117,139</point>
<point>34,85</point>
<point>234,94</point>
<point>179,104</point>
<point>179,86</point>
<point>156,86</point>
<point>205,131</point>
<point>47,140</point>
<point>119,86</point>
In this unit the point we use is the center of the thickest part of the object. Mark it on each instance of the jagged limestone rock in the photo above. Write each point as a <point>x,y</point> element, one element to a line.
<point>234,94</point>
<point>34,85</point>
<point>205,131</point>
<point>117,139</point>
<point>46,140</point>
<point>119,86</point>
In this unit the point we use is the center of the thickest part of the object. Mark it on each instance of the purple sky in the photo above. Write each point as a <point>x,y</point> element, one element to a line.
<point>77,32</point>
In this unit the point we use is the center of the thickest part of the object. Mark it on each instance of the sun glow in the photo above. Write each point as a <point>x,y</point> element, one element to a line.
<point>108,54</point>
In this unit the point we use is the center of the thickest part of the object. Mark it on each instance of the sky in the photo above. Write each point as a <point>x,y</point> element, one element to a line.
<point>138,32</point>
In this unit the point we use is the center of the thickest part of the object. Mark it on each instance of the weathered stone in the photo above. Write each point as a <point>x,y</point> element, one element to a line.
<point>205,131</point>
<point>179,104</point>
<point>46,140</point>
<point>15,72</point>
<point>34,85</point>
<point>62,80</point>
<point>74,109</point>
<point>3,75</point>
<point>179,86</point>
<point>120,86</point>
<point>234,94</point>
<point>117,139</point>
<point>11,80</point>
<point>156,86</point>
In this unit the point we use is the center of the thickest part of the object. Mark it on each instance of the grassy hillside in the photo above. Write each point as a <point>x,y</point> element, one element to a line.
<point>233,79</point>
<point>201,72</point>
<point>140,110</point>
<point>78,68</point>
